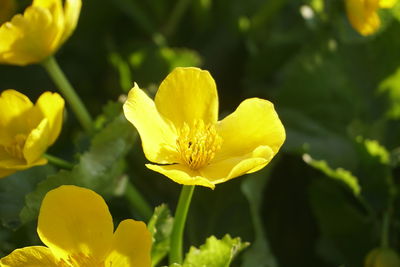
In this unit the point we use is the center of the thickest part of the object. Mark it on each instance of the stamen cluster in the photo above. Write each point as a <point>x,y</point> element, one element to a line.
<point>198,143</point>
<point>16,147</point>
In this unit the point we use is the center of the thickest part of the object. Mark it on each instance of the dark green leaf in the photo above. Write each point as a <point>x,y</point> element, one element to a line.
<point>259,253</point>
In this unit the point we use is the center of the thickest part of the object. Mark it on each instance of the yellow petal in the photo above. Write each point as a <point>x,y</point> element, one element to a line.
<point>72,9</point>
<point>387,3</point>
<point>186,95</point>
<point>8,162</point>
<point>48,4</point>
<point>364,19</point>
<point>224,170</point>
<point>29,257</point>
<point>37,142</point>
<point>29,38</point>
<point>13,165</point>
<point>131,245</point>
<point>158,139</point>
<point>181,174</point>
<point>14,107</point>
<point>6,172</point>
<point>254,123</point>
<point>75,220</point>
<point>51,106</point>
<point>57,15</point>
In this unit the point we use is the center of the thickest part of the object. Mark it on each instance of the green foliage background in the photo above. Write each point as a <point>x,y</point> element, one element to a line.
<point>320,202</point>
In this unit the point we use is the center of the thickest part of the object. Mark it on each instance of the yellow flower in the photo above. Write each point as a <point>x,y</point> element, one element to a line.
<point>39,32</point>
<point>7,9</point>
<point>27,130</point>
<point>77,228</point>
<point>363,14</point>
<point>180,130</point>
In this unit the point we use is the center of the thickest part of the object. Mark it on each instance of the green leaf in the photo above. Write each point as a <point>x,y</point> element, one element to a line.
<point>160,225</point>
<point>13,190</point>
<point>376,172</point>
<point>215,252</point>
<point>338,174</point>
<point>341,218</point>
<point>376,150</point>
<point>259,254</point>
<point>98,169</point>
<point>307,135</point>
<point>151,64</point>
<point>124,72</point>
<point>179,57</point>
<point>390,87</point>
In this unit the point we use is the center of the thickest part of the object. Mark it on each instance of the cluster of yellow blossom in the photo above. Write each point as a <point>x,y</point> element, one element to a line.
<point>180,134</point>
<point>77,228</point>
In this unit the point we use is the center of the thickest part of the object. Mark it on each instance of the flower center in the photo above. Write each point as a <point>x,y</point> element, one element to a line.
<point>198,143</point>
<point>81,260</point>
<point>16,148</point>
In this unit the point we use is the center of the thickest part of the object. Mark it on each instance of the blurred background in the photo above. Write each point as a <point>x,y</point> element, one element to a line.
<point>322,201</point>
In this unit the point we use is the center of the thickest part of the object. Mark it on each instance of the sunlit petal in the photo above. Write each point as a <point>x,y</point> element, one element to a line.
<point>387,3</point>
<point>37,142</point>
<point>13,120</point>
<point>131,245</point>
<point>254,123</point>
<point>35,35</point>
<point>51,106</point>
<point>181,174</point>
<point>75,220</point>
<point>27,38</point>
<point>72,9</point>
<point>224,170</point>
<point>29,257</point>
<point>187,95</point>
<point>158,139</point>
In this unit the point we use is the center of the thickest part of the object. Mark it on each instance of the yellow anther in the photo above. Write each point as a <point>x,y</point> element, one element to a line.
<point>16,148</point>
<point>198,143</point>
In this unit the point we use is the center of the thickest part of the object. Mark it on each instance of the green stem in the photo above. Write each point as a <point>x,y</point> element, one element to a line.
<point>137,201</point>
<point>175,252</point>
<point>59,162</point>
<point>54,70</point>
<point>176,16</point>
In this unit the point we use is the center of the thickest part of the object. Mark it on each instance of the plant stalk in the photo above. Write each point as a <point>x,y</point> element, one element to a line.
<point>63,164</point>
<point>137,201</point>
<point>176,249</point>
<point>66,89</point>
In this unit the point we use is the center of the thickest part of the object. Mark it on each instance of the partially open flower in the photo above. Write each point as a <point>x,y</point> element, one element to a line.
<point>363,14</point>
<point>39,32</point>
<point>77,228</point>
<point>27,130</point>
<point>180,131</point>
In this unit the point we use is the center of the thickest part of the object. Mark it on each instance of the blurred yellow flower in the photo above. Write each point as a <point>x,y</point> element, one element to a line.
<point>363,14</point>
<point>7,9</point>
<point>77,228</point>
<point>27,130</point>
<point>180,130</point>
<point>39,32</point>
